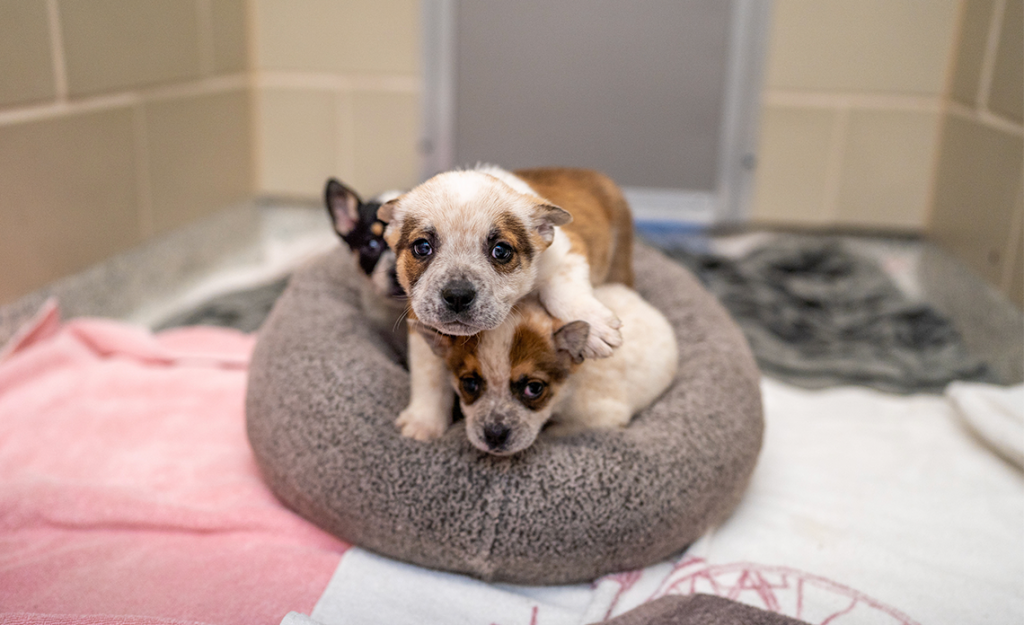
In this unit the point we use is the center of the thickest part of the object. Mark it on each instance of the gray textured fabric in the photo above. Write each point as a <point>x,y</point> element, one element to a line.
<point>243,310</point>
<point>324,392</point>
<point>699,610</point>
<point>817,315</point>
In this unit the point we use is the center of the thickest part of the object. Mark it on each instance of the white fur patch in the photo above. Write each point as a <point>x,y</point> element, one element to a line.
<point>606,393</point>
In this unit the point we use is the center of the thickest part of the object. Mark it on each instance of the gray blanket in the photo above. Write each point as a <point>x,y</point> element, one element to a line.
<point>817,314</point>
<point>244,310</point>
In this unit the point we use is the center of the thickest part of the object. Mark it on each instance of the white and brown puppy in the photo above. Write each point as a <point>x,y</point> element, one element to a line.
<point>470,244</point>
<point>530,370</point>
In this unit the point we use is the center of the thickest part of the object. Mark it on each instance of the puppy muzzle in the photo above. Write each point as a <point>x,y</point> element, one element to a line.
<point>502,436</point>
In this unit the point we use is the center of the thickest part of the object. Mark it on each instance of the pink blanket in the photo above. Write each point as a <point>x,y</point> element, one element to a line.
<point>128,492</point>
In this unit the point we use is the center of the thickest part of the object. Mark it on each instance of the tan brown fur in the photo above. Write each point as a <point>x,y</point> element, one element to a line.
<point>533,355</point>
<point>462,361</point>
<point>602,225</point>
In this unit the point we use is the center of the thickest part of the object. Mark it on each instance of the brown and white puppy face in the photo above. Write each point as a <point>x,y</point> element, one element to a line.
<point>508,379</point>
<point>466,245</point>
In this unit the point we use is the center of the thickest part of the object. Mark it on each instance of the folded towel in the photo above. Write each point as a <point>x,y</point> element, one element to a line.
<point>128,492</point>
<point>994,413</point>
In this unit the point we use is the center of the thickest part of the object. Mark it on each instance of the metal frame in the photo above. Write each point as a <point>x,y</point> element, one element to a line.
<point>437,96</point>
<point>737,143</point>
<point>737,160</point>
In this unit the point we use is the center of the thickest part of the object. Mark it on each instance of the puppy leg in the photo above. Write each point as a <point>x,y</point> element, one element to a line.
<point>569,296</point>
<point>430,403</point>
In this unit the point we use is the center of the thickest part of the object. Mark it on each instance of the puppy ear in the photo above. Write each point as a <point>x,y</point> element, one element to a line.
<point>572,338</point>
<point>390,214</point>
<point>342,205</point>
<point>439,343</point>
<point>386,212</point>
<point>546,217</point>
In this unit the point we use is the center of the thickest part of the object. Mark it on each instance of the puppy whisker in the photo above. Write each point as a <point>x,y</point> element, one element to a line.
<point>401,318</point>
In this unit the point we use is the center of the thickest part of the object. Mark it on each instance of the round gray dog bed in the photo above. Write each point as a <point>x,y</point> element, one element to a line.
<point>324,391</point>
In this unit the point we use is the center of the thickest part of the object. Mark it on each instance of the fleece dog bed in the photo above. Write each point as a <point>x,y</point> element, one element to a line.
<point>324,392</point>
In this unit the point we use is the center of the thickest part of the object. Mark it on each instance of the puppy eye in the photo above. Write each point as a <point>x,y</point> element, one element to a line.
<point>501,252</point>
<point>421,248</point>
<point>373,244</point>
<point>470,384</point>
<point>533,389</point>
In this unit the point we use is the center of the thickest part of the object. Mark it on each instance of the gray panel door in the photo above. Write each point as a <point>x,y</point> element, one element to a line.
<point>633,88</point>
<point>660,94</point>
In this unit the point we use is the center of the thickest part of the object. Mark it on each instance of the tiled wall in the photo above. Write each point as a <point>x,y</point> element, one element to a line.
<point>851,114</point>
<point>119,120</point>
<point>979,201</point>
<point>338,86</point>
<point>123,119</point>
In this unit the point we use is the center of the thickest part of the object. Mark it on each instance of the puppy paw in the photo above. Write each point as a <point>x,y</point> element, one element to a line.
<point>604,334</point>
<point>421,425</point>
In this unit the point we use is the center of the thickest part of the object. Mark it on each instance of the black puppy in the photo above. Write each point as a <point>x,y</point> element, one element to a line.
<point>383,299</point>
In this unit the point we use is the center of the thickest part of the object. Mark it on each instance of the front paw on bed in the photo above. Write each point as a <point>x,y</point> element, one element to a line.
<point>421,425</point>
<point>604,334</point>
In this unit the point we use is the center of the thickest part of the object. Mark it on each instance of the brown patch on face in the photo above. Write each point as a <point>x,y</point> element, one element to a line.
<point>410,268</point>
<point>533,358</point>
<point>463,362</point>
<point>509,231</point>
<point>517,234</point>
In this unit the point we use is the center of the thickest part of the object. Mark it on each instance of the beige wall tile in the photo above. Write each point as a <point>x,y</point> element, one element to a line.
<point>230,35</point>
<point>385,133</point>
<point>1007,94</point>
<point>1013,283</point>
<point>68,197</point>
<point>200,155</point>
<point>976,18</point>
<point>979,174</point>
<point>357,36</point>
<point>887,169</point>
<point>890,46</point>
<point>793,163</point>
<point>116,44</point>
<point>27,72</point>
<point>298,131</point>
<point>1016,288</point>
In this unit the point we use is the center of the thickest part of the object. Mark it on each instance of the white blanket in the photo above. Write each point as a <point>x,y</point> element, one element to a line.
<point>994,413</point>
<point>864,508</point>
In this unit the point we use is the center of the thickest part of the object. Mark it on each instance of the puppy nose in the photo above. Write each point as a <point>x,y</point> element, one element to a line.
<point>496,435</point>
<point>458,294</point>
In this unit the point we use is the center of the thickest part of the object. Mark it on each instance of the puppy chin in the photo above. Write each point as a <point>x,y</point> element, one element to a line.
<point>457,328</point>
<point>462,324</point>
